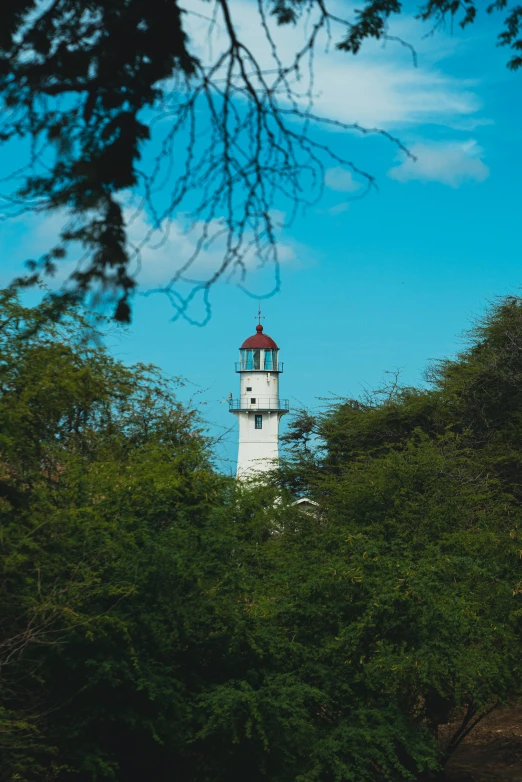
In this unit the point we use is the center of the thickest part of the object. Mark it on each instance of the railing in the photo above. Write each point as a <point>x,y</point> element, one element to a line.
<point>243,366</point>
<point>274,405</point>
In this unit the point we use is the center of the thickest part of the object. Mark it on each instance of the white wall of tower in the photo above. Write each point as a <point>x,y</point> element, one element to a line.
<point>261,386</point>
<point>258,448</point>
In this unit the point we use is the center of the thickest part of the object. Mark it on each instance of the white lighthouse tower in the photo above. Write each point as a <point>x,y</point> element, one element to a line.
<point>259,408</point>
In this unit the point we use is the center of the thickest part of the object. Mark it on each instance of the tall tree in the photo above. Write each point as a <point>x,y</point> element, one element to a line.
<point>420,498</point>
<point>105,478</point>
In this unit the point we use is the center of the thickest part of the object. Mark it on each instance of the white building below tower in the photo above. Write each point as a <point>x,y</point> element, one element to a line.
<point>259,408</point>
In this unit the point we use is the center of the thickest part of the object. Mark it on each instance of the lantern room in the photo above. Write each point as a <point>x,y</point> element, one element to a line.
<point>259,353</point>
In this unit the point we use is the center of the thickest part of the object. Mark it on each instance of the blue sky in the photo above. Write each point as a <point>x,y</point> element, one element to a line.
<point>386,282</point>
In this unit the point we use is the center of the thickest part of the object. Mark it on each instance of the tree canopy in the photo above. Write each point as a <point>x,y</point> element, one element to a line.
<point>157,615</point>
<point>99,465</point>
<point>424,483</point>
<point>84,83</point>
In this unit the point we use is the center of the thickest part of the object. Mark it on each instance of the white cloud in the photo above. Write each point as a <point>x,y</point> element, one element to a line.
<point>379,87</point>
<point>451,163</point>
<point>338,209</point>
<point>342,180</point>
<point>165,252</point>
<point>161,253</point>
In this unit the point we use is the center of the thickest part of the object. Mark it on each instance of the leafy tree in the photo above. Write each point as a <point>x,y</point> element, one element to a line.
<point>90,79</point>
<point>105,478</point>
<point>155,615</point>
<point>420,488</point>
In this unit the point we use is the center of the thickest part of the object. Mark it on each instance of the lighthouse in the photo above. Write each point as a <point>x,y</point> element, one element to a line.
<point>258,408</point>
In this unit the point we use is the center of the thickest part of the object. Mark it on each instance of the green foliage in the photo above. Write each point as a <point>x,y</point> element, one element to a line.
<point>157,616</point>
<point>104,480</point>
<point>425,483</point>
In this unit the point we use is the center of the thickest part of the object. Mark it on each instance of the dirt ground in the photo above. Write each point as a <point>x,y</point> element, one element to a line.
<point>493,751</point>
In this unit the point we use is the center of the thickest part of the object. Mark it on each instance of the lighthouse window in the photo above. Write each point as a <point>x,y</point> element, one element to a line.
<point>256,357</point>
<point>269,360</point>
<point>252,400</point>
<point>259,421</point>
<point>246,359</point>
<point>249,388</point>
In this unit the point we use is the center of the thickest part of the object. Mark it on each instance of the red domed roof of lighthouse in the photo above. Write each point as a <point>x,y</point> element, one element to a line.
<point>259,340</point>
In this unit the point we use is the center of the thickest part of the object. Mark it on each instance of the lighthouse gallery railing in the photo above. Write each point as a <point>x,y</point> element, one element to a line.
<point>267,404</point>
<point>258,366</point>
